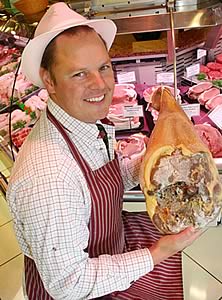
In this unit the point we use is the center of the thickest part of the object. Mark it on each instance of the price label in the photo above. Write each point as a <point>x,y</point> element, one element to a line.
<point>132,111</point>
<point>166,77</point>
<point>216,116</point>
<point>193,70</point>
<point>191,109</point>
<point>126,77</point>
<point>201,53</point>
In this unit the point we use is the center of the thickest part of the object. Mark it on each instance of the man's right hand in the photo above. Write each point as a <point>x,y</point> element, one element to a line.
<point>169,245</point>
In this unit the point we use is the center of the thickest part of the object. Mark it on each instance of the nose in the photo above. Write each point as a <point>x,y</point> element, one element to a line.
<point>97,81</point>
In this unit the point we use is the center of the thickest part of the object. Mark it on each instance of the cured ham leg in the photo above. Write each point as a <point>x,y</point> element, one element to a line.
<point>178,175</point>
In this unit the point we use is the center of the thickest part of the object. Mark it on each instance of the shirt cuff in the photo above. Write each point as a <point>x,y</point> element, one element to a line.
<point>137,263</point>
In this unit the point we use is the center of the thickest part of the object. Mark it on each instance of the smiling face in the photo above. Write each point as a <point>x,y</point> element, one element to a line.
<point>82,83</point>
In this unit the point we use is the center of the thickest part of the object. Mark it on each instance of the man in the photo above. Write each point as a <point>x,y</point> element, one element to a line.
<point>66,187</point>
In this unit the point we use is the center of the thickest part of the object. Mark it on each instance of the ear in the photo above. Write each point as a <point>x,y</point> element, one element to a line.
<point>47,80</point>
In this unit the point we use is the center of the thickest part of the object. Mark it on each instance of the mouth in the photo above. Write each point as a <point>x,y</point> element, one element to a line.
<point>95,99</point>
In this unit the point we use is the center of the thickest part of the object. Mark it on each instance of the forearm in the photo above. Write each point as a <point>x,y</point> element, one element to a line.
<point>169,245</point>
<point>101,276</point>
<point>130,170</point>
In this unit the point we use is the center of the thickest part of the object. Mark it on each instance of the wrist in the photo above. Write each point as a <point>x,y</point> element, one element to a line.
<point>158,253</point>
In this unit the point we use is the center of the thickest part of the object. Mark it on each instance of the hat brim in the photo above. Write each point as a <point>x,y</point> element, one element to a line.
<point>33,52</point>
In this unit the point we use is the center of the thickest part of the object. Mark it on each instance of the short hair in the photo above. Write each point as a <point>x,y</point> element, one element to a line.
<point>49,56</point>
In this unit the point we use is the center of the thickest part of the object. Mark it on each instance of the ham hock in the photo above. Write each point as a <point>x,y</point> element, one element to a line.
<point>178,176</point>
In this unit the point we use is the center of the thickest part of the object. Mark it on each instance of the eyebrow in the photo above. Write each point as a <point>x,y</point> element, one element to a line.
<point>108,61</point>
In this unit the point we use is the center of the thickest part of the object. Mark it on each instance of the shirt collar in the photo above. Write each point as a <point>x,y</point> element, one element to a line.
<point>75,126</point>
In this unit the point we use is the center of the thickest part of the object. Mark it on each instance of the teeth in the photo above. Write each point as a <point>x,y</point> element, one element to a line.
<point>97,99</point>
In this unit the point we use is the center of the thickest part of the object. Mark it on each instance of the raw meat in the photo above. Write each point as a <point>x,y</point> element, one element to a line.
<point>214,102</point>
<point>35,103</point>
<point>207,95</point>
<point>4,121</point>
<point>219,58</point>
<point>195,90</point>
<point>179,178</point>
<point>204,69</point>
<point>148,93</point>
<point>124,93</point>
<point>211,137</point>
<point>214,66</point>
<point>19,136</point>
<point>212,75</point>
<point>19,115</point>
<point>131,146</point>
<point>43,94</point>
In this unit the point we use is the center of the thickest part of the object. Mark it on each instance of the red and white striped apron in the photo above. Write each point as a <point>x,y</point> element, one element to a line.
<point>112,231</point>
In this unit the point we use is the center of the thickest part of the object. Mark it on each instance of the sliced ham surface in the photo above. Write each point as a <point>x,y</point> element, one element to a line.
<point>207,95</point>
<point>211,137</point>
<point>214,102</point>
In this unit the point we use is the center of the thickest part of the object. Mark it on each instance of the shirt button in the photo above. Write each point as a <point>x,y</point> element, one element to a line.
<point>101,149</point>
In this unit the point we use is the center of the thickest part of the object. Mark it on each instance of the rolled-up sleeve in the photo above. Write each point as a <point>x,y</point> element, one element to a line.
<point>130,170</point>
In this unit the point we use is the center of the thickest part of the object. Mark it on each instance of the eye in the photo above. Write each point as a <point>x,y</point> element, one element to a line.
<point>79,75</point>
<point>105,67</point>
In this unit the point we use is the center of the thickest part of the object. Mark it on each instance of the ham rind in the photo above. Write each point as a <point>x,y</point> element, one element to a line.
<point>179,177</point>
<point>207,95</point>
<point>214,102</point>
<point>211,137</point>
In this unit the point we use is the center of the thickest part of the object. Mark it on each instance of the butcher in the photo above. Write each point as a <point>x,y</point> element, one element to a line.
<point>66,188</point>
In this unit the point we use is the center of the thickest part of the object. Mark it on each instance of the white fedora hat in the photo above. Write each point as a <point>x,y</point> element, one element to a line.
<point>58,18</point>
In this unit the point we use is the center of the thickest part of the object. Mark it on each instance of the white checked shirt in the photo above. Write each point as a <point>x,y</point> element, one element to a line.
<point>50,203</point>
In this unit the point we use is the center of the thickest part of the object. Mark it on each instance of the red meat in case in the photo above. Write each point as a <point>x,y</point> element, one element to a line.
<point>204,69</point>
<point>211,137</point>
<point>19,136</point>
<point>219,58</point>
<point>214,75</point>
<point>207,95</point>
<point>214,102</point>
<point>214,66</point>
